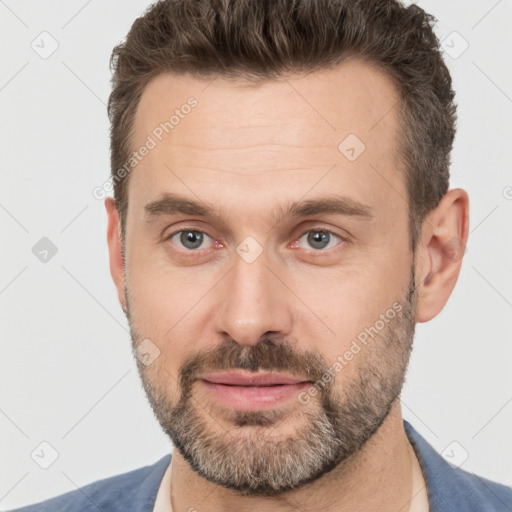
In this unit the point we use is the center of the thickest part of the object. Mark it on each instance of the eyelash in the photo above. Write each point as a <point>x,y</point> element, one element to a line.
<point>314,229</point>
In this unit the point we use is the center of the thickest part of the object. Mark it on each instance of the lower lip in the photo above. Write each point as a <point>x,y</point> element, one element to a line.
<point>252,398</point>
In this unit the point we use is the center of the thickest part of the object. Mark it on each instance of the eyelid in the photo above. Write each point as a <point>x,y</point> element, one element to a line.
<point>186,228</point>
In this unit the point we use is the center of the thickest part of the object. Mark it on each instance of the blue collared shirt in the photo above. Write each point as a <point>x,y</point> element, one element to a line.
<point>450,489</point>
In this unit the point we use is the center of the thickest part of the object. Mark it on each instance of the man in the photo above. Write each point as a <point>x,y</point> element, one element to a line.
<point>281,221</point>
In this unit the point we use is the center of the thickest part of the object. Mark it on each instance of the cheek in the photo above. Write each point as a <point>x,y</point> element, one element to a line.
<point>161,293</point>
<point>345,299</point>
<point>162,379</point>
<point>339,308</point>
<point>166,307</point>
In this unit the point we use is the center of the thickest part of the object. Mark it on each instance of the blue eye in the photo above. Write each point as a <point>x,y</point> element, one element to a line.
<point>190,238</point>
<point>193,240</point>
<point>320,238</point>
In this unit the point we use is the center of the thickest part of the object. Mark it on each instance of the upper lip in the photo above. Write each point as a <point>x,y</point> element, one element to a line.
<point>259,379</point>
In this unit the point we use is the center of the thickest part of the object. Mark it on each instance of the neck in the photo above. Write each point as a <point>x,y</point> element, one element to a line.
<point>377,477</point>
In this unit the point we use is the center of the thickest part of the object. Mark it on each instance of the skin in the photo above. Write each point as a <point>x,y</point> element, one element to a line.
<point>249,151</point>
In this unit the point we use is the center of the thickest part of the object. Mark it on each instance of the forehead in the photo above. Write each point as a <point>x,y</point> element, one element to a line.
<point>276,138</point>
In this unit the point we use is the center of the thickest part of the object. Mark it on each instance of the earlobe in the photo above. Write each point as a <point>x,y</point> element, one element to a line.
<point>115,250</point>
<point>442,247</point>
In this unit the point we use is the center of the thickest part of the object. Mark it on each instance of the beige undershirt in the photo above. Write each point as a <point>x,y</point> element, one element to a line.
<point>419,496</point>
<point>163,497</point>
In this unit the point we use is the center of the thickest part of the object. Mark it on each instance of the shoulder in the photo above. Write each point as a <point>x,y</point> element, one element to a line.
<point>482,490</point>
<point>133,490</point>
<point>453,488</point>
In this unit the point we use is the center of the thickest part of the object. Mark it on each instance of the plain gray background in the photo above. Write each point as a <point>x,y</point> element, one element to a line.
<point>66,370</point>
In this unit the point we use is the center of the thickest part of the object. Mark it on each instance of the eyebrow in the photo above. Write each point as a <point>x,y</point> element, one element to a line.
<point>171,204</point>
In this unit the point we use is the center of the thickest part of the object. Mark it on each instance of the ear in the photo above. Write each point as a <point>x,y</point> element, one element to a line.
<point>115,250</point>
<point>440,252</point>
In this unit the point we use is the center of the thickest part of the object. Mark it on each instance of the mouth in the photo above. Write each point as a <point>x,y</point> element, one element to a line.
<point>247,379</point>
<point>252,392</point>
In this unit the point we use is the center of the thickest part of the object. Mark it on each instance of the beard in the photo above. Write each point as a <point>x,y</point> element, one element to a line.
<point>246,457</point>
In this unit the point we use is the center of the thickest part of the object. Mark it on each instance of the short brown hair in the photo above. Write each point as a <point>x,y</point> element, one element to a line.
<point>258,40</point>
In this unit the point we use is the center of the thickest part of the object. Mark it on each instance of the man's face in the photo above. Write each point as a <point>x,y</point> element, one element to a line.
<point>324,296</point>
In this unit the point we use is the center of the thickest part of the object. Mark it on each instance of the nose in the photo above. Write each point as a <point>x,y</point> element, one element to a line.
<point>253,302</point>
